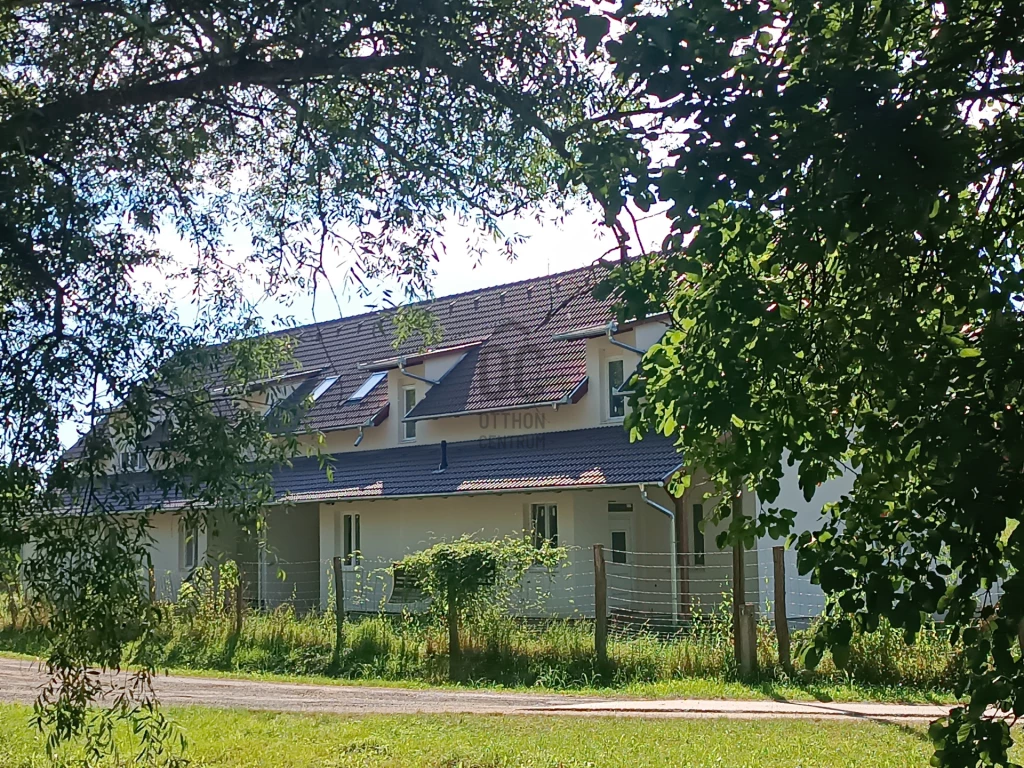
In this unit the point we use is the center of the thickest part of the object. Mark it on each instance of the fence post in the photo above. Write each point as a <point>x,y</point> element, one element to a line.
<point>600,606</point>
<point>685,547</point>
<point>739,597</point>
<point>781,620</point>
<point>218,602</point>
<point>454,644</point>
<point>239,603</point>
<point>747,641</point>
<point>339,608</point>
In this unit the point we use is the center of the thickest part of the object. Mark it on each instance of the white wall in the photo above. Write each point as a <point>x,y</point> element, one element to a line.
<point>167,553</point>
<point>590,411</point>
<point>803,599</point>
<point>391,529</point>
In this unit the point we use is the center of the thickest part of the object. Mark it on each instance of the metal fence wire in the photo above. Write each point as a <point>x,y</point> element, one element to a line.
<point>641,593</point>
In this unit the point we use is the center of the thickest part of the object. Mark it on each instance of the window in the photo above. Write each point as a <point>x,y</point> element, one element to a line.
<point>367,386</point>
<point>408,403</point>
<point>698,534</point>
<point>544,524</point>
<point>131,461</point>
<point>619,507</point>
<point>616,401</point>
<point>323,386</point>
<point>189,546</point>
<point>618,546</point>
<point>351,539</point>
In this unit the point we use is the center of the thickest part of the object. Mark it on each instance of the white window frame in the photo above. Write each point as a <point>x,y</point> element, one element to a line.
<point>351,539</point>
<point>621,520</point>
<point>548,513</point>
<point>408,427</point>
<point>131,461</point>
<point>189,549</point>
<point>611,396</point>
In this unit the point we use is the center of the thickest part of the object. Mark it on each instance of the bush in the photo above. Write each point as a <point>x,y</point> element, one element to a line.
<point>498,649</point>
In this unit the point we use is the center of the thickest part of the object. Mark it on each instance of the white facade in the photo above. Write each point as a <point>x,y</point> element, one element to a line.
<point>641,539</point>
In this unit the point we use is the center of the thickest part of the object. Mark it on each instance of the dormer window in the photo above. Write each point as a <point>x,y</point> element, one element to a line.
<point>131,461</point>
<point>616,400</point>
<point>408,403</point>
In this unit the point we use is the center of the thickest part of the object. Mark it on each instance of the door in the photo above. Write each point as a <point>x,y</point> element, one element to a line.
<point>620,560</point>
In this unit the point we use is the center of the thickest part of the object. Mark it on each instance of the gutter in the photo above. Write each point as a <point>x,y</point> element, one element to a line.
<point>609,330</point>
<point>675,552</point>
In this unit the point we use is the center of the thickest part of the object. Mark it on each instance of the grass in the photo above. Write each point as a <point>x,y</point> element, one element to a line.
<point>238,739</point>
<point>512,654</point>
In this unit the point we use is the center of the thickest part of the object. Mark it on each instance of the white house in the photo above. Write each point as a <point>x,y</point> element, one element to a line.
<point>511,424</point>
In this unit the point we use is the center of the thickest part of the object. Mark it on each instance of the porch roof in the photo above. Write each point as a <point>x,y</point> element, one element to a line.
<point>584,458</point>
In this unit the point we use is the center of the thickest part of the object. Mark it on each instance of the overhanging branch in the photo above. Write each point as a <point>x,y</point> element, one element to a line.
<point>24,128</point>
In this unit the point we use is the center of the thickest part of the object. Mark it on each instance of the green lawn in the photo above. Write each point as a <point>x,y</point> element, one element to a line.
<point>237,739</point>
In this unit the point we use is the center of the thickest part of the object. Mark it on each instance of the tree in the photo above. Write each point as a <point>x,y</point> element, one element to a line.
<point>346,128</point>
<point>844,287</point>
<point>465,577</point>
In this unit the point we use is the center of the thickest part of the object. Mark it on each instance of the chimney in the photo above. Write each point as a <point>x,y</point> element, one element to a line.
<point>444,457</point>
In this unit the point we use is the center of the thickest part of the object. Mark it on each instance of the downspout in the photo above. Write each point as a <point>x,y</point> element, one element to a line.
<point>401,367</point>
<point>674,558</point>
<point>612,328</point>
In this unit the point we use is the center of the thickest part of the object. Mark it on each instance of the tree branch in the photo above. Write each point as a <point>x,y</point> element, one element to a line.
<point>27,126</point>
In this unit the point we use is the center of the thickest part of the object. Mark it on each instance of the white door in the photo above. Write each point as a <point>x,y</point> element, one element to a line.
<point>620,559</point>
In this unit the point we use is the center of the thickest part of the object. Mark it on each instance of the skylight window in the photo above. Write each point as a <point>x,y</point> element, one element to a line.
<point>367,386</point>
<point>323,386</point>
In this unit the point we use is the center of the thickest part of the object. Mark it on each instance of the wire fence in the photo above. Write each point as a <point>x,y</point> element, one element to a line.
<point>653,592</point>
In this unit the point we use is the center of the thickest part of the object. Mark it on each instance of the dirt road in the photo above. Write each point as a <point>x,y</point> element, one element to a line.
<point>20,681</point>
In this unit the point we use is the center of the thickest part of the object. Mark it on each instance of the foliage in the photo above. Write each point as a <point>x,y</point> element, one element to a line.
<point>270,138</point>
<point>476,575</point>
<point>466,577</point>
<point>499,650</point>
<point>845,293</point>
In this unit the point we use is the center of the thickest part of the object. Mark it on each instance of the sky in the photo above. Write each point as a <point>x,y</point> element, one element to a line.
<point>550,246</point>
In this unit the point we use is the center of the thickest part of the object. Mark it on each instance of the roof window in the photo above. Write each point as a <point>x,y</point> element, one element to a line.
<point>323,386</point>
<point>367,386</point>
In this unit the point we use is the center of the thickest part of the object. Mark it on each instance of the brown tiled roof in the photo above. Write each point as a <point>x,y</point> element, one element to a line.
<point>516,363</point>
<point>511,358</point>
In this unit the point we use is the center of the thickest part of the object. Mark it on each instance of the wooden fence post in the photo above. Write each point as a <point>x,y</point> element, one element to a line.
<point>239,603</point>
<point>454,645</point>
<point>781,620</point>
<point>600,606</point>
<point>218,600</point>
<point>339,608</point>
<point>739,597</point>
<point>747,641</point>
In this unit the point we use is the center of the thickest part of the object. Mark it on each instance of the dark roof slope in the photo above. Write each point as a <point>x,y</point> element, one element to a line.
<point>518,362</point>
<point>584,458</point>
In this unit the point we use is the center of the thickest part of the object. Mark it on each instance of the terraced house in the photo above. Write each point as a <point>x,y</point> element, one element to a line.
<point>512,424</point>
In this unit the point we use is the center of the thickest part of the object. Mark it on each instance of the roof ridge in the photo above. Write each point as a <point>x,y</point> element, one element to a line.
<point>593,267</point>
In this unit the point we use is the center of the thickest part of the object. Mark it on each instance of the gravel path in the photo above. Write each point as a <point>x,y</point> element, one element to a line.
<point>20,681</point>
